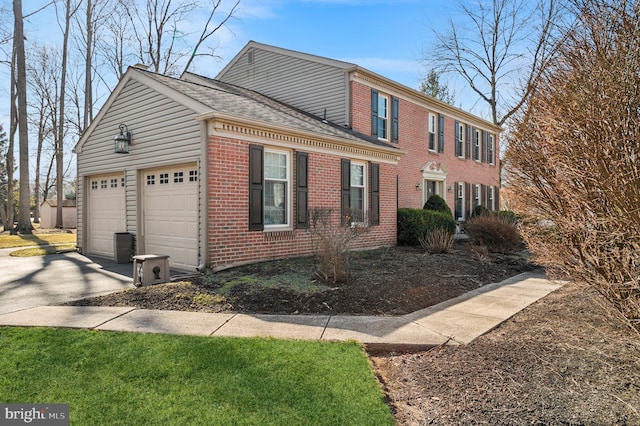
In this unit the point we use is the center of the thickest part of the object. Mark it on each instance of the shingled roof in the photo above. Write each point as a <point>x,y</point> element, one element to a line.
<point>237,101</point>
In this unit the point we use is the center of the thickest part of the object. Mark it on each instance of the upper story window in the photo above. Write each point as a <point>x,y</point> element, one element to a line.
<point>432,132</point>
<point>276,188</point>
<point>490,149</point>
<point>476,145</point>
<point>383,103</point>
<point>384,116</point>
<point>358,191</point>
<point>460,132</point>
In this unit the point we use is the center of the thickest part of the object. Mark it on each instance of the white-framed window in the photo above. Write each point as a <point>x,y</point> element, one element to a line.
<point>477,200</point>
<point>358,199</point>
<point>459,205</point>
<point>490,198</point>
<point>277,188</point>
<point>460,140</point>
<point>433,129</point>
<point>477,139</point>
<point>383,117</point>
<point>490,149</point>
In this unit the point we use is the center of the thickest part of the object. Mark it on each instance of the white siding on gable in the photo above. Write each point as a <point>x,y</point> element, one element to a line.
<point>304,84</point>
<point>163,131</point>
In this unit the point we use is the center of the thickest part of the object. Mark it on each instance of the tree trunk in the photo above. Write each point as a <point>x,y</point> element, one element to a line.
<point>60,138</point>
<point>24,219</point>
<point>88,85</point>
<point>13,127</point>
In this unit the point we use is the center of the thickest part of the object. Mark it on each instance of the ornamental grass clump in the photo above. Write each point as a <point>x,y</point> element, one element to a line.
<point>437,241</point>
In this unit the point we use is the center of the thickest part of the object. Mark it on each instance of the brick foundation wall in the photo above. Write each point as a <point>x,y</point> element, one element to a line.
<point>231,242</point>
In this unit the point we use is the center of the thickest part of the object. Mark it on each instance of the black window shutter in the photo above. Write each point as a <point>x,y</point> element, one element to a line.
<point>457,209</point>
<point>345,189</point>
<point>374,113</point>
<point>484,146</point>
<point>457,137</point>
<point>468,205</point>
<point>483,195</point>
<point>256,188</point>
<point>374,213</point>
<point>496,197</point>
<point>395,130</point>
<point>302,190</point>
<point>467,140</point>
<point>440,133</point>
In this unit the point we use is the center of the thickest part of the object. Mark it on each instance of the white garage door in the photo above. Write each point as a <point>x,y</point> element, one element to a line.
<point>105,212</point>
<point>171,214</point>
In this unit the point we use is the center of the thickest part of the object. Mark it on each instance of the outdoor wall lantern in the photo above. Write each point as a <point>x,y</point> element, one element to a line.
<point>123,140</point>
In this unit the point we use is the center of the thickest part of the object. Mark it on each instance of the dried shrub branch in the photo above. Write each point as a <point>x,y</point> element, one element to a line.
<point>331,240</point>
<point>574,156</point>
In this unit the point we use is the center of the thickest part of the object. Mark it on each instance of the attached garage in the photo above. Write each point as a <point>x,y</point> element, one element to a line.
<point>170,214</point>
<point>105,212</point>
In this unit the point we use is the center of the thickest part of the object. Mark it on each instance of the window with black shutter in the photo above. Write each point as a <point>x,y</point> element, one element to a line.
<point>395,110</point>
<point>345,190</point>
<point>374,211</point>
<point>256,188</point>
<point>440,133</point>
<point>302,190</point>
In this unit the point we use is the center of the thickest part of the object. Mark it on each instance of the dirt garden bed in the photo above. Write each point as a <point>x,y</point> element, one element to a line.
<point>391,281</point>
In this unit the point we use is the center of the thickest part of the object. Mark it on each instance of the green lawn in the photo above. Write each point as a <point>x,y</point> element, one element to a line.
<point>7,241</point>
<point>134,379</point>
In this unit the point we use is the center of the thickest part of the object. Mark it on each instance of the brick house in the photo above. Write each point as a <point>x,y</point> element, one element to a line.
<point>449,152</point>
<point>216,175</point>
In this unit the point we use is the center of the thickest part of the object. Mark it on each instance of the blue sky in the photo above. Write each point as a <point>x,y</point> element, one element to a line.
<point>384,36</point>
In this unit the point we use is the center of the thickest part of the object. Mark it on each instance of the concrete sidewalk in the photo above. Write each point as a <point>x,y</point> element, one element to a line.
<point>456,321</point>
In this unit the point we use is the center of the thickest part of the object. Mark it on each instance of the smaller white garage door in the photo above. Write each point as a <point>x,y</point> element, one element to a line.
<point>105,212</point>
<point>171,214</point>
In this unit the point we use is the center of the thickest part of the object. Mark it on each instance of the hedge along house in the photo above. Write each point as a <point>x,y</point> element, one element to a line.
<point>451,152</point>
<point>215,175</point>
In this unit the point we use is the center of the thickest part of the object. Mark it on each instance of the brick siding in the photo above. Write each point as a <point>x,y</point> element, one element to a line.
<point>231,242</point>
<point>413,138</point>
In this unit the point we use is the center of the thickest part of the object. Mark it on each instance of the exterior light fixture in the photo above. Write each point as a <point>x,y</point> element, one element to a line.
<point>123,140</point>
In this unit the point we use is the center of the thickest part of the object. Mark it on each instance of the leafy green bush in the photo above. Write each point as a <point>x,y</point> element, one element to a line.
<point>480,211</point>
<point>414,224</point>
<point>507,215</point>
<point>438,204</point>
<point>499,234</point>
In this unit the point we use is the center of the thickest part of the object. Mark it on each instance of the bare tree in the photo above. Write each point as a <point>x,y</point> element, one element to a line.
<point>4,178</point>
<point>69,10</point>
<point>24,220</point>
<point>574,153</point>
<point>156,30</point>
<point>44,74</point>
<point>211,27</point>
<point>498,47</point>
<point>162,42</point>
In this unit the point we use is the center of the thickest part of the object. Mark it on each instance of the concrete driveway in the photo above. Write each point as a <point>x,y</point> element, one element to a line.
<point>26,282</point>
